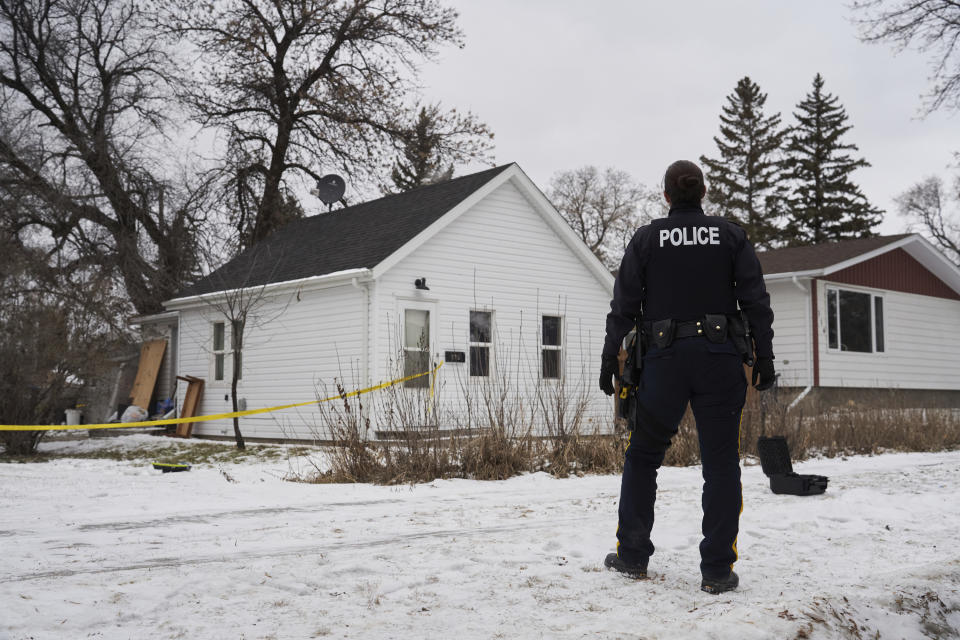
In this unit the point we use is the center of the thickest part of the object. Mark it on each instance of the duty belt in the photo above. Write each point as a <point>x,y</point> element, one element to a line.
<point>690,329</point>
<point>715,327</point>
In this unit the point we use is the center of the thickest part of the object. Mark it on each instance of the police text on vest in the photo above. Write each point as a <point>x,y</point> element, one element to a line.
<point>690,236</point>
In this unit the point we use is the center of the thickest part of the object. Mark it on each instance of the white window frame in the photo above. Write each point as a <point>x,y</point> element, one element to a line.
<point>836,289</point>
<point>558,348</point>
<point>226,352</point>
<point>488,345</point>
<point>218,354</point>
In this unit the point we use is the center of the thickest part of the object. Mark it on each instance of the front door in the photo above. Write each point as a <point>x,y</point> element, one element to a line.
<point>417,326</point>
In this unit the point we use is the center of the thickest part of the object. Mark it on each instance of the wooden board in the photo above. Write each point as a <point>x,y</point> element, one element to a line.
<point>151,355</point>
<point>191,400</point>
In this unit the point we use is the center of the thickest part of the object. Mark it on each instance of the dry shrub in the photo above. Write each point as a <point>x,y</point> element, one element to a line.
<point>351,457</point>
<point>420,456</point>
<point>591,453</point>
<point>20,443</point>
<point>500,435</point>
<point>889,424</point>
<point>496,455</point>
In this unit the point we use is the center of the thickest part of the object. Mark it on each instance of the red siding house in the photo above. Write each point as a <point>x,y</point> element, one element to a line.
<point>867,314</point>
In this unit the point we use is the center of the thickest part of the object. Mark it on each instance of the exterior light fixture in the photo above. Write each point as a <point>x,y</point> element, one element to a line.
<point>421,284</point>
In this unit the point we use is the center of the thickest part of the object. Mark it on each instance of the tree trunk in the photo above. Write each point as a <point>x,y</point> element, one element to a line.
<point>233,396</point>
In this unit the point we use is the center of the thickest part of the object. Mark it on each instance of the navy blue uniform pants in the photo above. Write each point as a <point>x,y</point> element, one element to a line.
<point>710,377</point>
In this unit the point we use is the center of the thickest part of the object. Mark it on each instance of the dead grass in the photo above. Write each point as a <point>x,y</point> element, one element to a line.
<point>167,452</point>
<point>423,452</point>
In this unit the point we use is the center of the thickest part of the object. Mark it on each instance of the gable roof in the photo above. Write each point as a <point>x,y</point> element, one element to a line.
<point>820,256</point>
<point>820,261</point>
<point>356,237</point>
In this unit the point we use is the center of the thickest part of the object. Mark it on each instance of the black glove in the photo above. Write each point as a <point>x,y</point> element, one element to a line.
<point>763,371</point>
<point>608,369</point>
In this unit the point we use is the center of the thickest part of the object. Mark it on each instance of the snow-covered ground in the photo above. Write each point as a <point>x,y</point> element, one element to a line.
<point>111,549</point>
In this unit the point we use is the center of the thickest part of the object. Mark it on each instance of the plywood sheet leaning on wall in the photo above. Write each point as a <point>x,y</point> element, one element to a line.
<point>191,400</point>
<point>151,355</point>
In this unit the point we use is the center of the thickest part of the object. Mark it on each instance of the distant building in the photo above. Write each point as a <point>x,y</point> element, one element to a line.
<point>870,314</point>
<point>480,272</point>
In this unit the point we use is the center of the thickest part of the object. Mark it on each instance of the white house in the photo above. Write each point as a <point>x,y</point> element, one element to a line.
<point>874,313</point>
<point>480,272</point>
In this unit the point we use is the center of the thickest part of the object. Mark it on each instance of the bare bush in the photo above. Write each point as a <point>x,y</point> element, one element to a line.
<point>890,425</point>
<point>500,436</point>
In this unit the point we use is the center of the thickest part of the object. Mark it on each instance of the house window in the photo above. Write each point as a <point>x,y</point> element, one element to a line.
<point>854,321</point>
<point>416,347</point>
<point>878,323</point>
<point>219,355</point>
<point>481,334</point>
<point>551,346</point>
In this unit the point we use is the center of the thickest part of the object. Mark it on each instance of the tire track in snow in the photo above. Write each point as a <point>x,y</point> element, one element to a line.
<point>164,563</point>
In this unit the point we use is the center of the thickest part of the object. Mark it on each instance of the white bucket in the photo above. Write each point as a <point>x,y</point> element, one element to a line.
<point>73,416</point>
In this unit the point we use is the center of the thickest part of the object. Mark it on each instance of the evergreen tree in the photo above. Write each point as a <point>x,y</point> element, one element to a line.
<point>824,203</point>
<point>421,162</point>
<point>744,181</point>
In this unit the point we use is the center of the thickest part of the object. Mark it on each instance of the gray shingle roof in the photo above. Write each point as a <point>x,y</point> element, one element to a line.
<point>818,256</point>
<point>354,237</point>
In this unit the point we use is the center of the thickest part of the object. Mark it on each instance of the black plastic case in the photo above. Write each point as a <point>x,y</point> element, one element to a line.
<point>775,460</point>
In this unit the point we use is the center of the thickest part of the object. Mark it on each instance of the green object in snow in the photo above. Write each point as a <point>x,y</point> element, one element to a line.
<point>168,467</point>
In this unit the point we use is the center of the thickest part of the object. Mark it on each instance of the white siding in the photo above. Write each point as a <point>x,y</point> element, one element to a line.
<point>501,256</point>
<point>294,349</point>
<point>922,351</point>
<point>792,341</point>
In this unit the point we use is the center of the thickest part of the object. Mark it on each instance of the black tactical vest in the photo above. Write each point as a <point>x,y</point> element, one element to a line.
<point>689,266</point>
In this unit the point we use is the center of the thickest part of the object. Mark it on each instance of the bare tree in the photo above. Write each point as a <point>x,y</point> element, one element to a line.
<point>927,205</point>
<point>931,26</point>
<point>57,328</point>
<point>303,88</point>
<point>243,307</point>
<point>603,208</point>
<point>84,97</point>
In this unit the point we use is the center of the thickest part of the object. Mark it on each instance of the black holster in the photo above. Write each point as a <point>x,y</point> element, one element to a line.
<point>742,340</point>
<point>630,377</point>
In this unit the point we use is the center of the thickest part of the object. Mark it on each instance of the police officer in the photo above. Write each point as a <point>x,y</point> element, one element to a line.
<point>678,272</point>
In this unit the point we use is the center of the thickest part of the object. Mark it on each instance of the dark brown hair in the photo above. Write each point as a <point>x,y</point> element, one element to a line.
<point>683,182</point>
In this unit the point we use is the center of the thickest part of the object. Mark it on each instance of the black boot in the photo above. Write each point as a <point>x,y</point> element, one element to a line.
<point>636,571</point>
<point>718,585</point>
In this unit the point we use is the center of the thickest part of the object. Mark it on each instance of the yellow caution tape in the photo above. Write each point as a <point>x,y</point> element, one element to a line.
<point>216,416</point>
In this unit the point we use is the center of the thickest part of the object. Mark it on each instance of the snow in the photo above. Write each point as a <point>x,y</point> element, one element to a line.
<point>114,549</point>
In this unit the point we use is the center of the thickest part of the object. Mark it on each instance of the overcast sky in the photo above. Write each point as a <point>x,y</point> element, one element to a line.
<point>636,85</point>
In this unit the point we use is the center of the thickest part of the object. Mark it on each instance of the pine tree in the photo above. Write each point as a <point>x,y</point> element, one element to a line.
<point>744,181</point>
<point>421,163</point>
<point>824,203</point>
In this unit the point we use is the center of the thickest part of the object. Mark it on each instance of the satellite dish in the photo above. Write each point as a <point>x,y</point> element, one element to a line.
<point>330,188</point>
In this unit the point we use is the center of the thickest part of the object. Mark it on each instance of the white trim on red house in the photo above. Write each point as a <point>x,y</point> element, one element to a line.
<point>869,255</point>
<point>916,245</point>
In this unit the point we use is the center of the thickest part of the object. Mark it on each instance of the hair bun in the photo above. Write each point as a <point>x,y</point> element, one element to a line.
<point>683,183</point>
